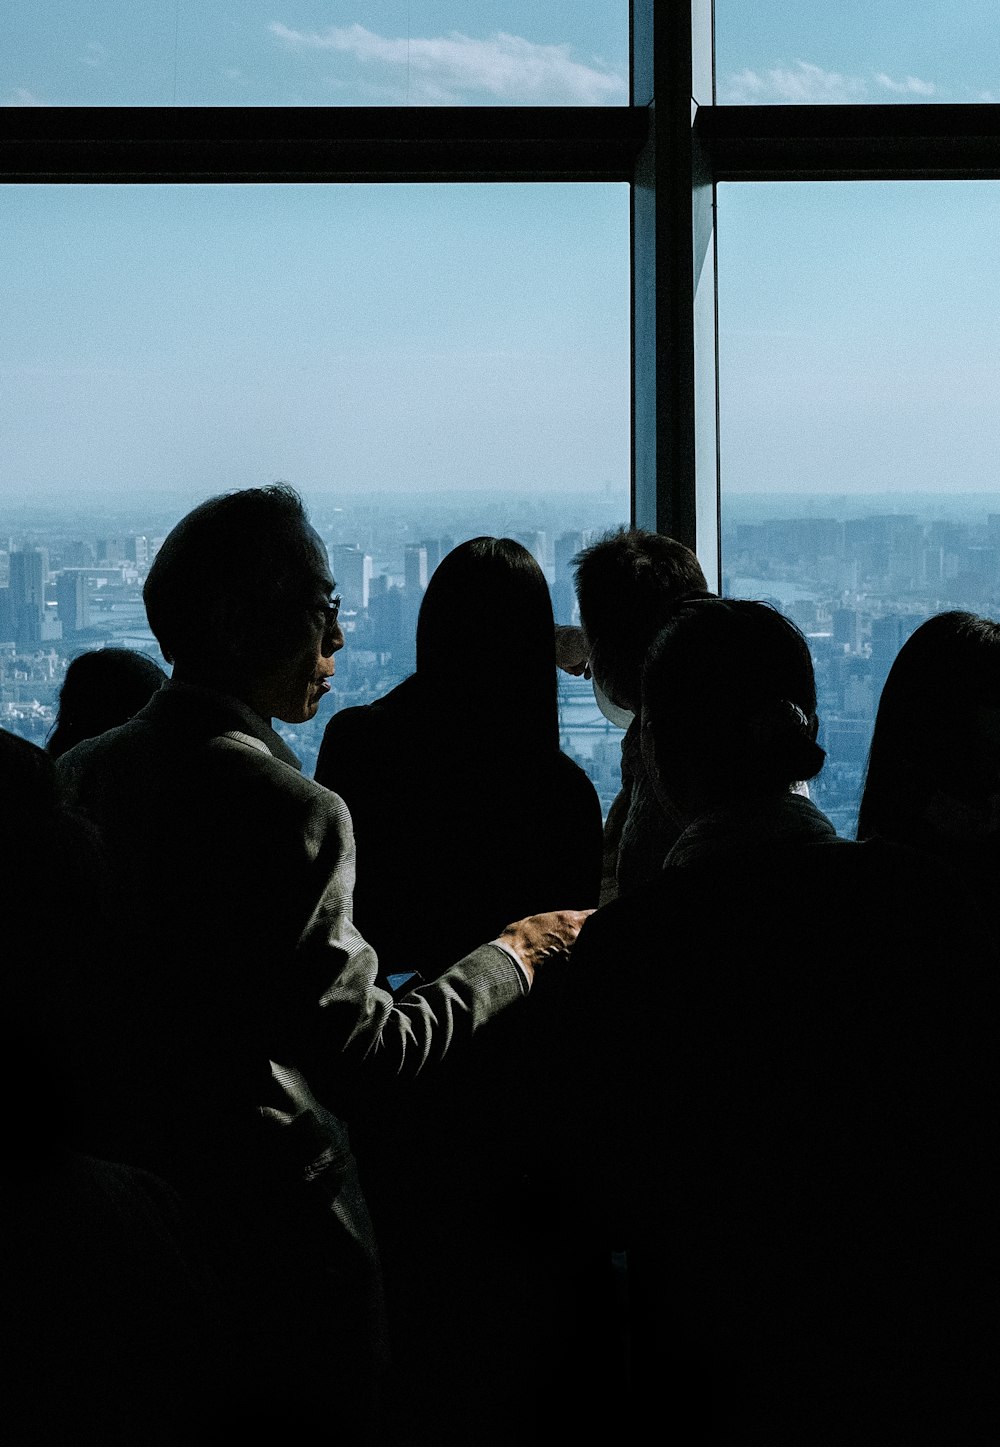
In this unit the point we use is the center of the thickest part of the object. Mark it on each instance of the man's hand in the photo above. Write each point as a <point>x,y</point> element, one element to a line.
<point>572,652</point>
<point>543,937</point>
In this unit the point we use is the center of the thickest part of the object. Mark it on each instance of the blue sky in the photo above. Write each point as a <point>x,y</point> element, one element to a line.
<point>857,50</point>
<point>858,336</point>
<point>366,337</point>
<point>349,337</point>
<point>316,52</point>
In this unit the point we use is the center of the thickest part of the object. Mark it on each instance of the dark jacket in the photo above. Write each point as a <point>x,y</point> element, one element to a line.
<point>452,846</point>
<point>782,1088</point>
<point>455,840</point>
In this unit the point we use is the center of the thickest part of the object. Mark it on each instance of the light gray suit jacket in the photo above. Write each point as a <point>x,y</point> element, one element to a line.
<point>240,1018</point>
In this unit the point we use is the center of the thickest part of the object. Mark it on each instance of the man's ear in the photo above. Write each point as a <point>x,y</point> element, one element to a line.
<point>230,636</point>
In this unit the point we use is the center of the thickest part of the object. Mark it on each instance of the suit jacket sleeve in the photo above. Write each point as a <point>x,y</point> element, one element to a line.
<point>344,1026</point>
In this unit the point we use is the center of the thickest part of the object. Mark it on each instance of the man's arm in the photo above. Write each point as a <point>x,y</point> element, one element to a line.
<point>344,1026</point>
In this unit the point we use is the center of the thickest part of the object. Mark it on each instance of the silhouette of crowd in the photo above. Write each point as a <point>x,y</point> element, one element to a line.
<point>410,1103</point>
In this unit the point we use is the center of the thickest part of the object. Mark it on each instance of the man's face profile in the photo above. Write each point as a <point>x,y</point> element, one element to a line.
<point>292,688</point>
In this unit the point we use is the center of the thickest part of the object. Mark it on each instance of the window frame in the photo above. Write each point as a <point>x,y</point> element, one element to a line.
<point>671,143</point>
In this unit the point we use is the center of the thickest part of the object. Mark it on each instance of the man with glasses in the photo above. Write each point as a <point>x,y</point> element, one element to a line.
<point>244,1021</point>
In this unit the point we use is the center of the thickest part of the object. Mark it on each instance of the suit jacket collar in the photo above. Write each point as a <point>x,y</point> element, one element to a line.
<point>212,714</point>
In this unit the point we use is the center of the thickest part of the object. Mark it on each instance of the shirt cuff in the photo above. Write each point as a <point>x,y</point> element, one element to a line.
<point>513,954</point>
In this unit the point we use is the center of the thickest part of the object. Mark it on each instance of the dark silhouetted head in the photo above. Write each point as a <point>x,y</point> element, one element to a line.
<point>52,874</point>
<point>238,598</point>
<point>626,583</point>
<point>486,640</point>
<point>100,691</point>
<point>728,705</point>
<point>934,761</point>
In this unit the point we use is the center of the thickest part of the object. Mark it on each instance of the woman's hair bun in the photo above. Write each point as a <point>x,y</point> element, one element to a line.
<point>783,737</point>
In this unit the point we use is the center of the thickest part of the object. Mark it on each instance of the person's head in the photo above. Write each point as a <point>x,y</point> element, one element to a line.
<point>728,706</point>
<point>485,632</point>
<point>239,600</point>
<point>934,763</point>
<point>100,691</point>
<point>626,584</point>
<point>46,853</point>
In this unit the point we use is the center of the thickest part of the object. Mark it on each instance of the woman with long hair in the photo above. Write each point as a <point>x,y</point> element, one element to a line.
<point>933,775</point>
<point>464,808</point>
<point>466,815</point>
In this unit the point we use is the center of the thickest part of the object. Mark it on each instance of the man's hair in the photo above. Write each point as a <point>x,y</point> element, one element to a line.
<point>626,583</point>
<point>246,551</point>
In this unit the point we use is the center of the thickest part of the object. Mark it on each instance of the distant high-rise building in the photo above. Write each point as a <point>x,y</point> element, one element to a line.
<point>352,571</point>
<point>567,546</point>
<point>111,550</point>
<point>78,554</point>
<point>432,547</point>
<point>847,628</point>
<point>136,549</point>
<point>27,595</point>
<point>884,544</point>
<point>535,543</point>
<point>888,636</point>
<point>385,613</point>
<point>73,600</point>
<point>6,617</point>
<point>415,582</point>
<point>415,568</point>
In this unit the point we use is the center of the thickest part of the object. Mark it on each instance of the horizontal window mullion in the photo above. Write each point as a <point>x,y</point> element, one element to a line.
<point>343,143</point>
<point>844,142</point>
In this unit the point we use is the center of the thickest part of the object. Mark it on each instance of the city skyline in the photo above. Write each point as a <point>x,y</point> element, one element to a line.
<point>855,579</point>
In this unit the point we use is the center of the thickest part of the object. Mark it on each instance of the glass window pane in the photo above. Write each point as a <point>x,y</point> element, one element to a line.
<point>424,363</point>
<point>316,52</point>
<point>785,52</point>
<point>859,432</point>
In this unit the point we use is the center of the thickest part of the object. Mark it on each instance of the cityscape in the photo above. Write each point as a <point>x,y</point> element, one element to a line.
<point>857,576</point>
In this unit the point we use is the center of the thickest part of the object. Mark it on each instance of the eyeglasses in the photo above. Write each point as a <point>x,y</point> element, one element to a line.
<point>331,613</point>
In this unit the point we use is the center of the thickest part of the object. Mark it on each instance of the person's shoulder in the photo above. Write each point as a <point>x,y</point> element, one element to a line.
<point>104,751</point>
<point>347,721</point>
<point>639,914</point>
<point>253,765</point>
<point>917,875</point>
<point>378,712</point>
<point>567,770</point>
<point>361,735</point>
<point>262,801</point>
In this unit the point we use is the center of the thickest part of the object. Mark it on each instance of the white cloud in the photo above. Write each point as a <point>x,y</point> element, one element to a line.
<point>450,67</point>
<point>22,97</point>
<point>909,85</point>
<point>95,54</point>
<point>803,83</point>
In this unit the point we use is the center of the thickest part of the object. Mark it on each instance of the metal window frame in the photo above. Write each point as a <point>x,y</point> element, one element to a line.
<point>672,144</point>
